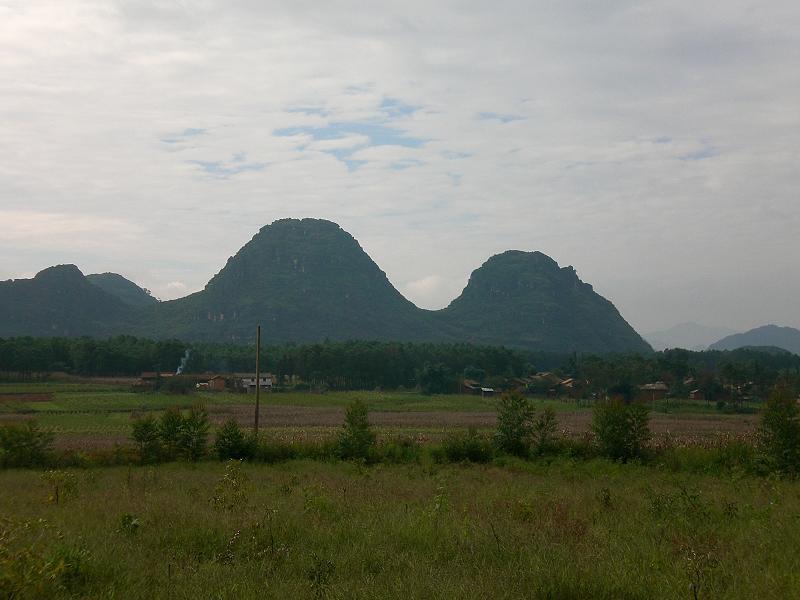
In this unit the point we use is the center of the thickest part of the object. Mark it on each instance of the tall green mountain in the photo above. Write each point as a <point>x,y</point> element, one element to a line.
<point>302,280</point>
<point>525,299</point>
<point>124,289</point>
<point>308,280</point>
<point>59,301</point>
<point>787,338</point>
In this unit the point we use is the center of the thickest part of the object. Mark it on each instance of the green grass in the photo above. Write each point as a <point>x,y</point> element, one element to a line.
<point>335,530</point>
<point>70,397</point>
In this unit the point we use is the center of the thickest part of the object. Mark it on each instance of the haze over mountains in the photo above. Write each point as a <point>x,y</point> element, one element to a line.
<point>691,336</point>
<point>308,280</point>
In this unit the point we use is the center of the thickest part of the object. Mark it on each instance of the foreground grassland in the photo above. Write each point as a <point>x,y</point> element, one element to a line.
<point>339,530</point>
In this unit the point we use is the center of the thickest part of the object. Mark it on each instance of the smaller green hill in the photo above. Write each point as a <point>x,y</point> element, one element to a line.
<point>124,289</point>
<point>525,300</point>
<point>59,301</point>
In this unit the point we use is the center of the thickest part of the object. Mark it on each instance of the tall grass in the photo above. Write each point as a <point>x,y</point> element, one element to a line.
<point>591,529</point>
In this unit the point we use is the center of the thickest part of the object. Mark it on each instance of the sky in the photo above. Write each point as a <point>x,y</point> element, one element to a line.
<point>653,145</point>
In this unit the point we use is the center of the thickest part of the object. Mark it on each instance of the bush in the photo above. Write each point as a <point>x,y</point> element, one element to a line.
<point>467,447</point>
<point>404,450</point>
<point>514,424</point>
<point>232,443</point>
<point>270,451</point>
<point>24,445</point>
<point>356,439</point>
<point>779,432</point>
<point>146,435</point>
<point>621,429</point>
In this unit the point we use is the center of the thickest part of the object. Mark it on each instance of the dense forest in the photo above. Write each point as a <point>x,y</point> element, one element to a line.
<point>367,365</point>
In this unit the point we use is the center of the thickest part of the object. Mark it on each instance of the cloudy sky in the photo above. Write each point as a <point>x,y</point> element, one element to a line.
<point>654,145</point>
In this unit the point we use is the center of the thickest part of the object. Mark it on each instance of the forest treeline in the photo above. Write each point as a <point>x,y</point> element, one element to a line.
<point>367,365</point>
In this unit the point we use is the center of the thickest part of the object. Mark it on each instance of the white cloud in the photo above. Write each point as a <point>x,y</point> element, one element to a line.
<point>655,147</point>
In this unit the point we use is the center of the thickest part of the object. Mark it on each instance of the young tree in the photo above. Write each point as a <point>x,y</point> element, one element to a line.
<point>232,443</point>
<point>514,424</point>
<point>194,433</point>
<point>622,429</point>
<point>169,433</point>
<point>779,433</point>
<point>356,440</point>
<point>544,430</point>
<point>145,434</point>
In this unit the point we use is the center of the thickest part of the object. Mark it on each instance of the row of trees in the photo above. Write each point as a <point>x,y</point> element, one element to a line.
<point>435,368</point>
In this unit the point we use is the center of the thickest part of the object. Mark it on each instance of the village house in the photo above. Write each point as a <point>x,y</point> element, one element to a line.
<point>697,395</point>
<point>470,386</point>
<point>217,383</point>
<point>654,391</point>
<point>248,383</point>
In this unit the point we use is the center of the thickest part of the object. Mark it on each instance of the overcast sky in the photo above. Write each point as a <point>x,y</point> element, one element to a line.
<point>654,145</point>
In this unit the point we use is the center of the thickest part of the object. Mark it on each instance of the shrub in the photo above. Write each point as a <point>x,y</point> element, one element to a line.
<point>194,433</point>
<point>514,424</point>
<point>467,447</point>
<point>24,445</point>
<point>271,451</point>
<point>621,429</point>
<point>779,432</point>
<point>232,443</point>
<point>403,450</point>
<point>146,435</point>
<point>356,439</point>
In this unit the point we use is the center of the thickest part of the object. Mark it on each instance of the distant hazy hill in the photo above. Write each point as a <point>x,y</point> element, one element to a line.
<point>308,280</point>
<point>122,288</point>
<point>691,336</point>
<point>787,338</point>
<point>525,299</point>
<point>58,301</point>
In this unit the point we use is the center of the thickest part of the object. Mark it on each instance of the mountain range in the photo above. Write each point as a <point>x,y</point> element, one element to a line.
<point>308,280</point>
<point>774,336</point>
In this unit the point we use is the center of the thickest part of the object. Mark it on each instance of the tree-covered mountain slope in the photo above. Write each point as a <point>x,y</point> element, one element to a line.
<point>302,280</point>
<point>309,280</point>
<point>59,301</point>
<point>124,289</point>
<point>525,299</point>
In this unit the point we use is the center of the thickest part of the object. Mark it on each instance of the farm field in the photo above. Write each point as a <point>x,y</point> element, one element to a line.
<point>84,416</point>
<point>302,529</point>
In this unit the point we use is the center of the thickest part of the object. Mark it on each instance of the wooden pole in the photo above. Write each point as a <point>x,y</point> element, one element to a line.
<point>258,377</point>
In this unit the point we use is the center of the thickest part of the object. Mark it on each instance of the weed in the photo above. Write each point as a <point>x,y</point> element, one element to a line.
<point>231,491</point>
<point>61,485</point>
<point>319,574</point>
<point>128,524</point>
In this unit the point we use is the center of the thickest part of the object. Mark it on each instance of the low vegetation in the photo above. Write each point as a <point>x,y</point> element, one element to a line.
<point>307,529</point>
<point>525,511</point>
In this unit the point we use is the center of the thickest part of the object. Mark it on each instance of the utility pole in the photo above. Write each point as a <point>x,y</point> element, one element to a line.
<point>258,377</point>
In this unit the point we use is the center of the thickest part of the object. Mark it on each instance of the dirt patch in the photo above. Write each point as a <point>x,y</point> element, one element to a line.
<point>26,397</point>
<point>574,422</point>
